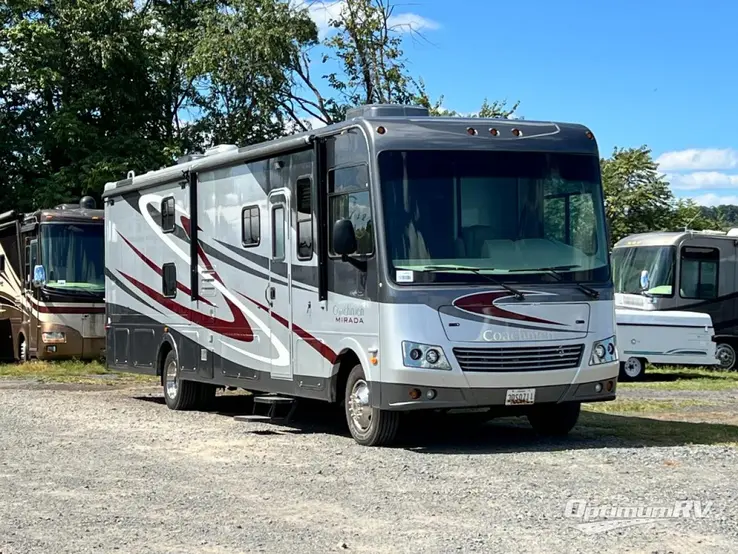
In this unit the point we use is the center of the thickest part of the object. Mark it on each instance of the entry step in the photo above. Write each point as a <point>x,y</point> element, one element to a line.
<point>274,405</point>
<point>273,400</point>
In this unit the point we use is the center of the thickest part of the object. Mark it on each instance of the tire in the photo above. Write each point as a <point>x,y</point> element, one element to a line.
<point>632,369</point>
<point>554,420</point>
<point>368,426</point>
<point>180,394</point>
<point>725,353</point>
<point>22,350</point>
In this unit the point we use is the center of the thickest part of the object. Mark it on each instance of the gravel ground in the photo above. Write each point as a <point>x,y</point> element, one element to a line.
<point>116,471</point>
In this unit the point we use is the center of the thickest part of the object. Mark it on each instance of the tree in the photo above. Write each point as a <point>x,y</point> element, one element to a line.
<point>637,198</point>
<point>367,66</point>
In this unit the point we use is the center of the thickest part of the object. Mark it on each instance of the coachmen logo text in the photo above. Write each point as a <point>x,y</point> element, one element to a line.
<point>346,313</point>
<point>507,336</point>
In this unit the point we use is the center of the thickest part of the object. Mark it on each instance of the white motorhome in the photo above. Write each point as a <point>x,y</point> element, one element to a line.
<point>663,338</point>
<point>390,262</point>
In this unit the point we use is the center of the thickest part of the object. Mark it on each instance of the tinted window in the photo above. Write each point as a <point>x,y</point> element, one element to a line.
<point>304,219</point>
<point>169,280</point>
<point>167,215</point>
<point>699,273</point>
<point>350,200</point>
<point>278,233</point>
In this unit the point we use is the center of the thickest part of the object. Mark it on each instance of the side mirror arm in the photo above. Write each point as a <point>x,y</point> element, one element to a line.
<point>361,265</point>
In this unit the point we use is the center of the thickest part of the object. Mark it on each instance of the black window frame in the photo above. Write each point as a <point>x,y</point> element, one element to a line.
<point>165,215</point>
<point>250,208</point>
<point>704,257</point>
<point>348,192</point>
<point>309,219</point>
<point>168,292</point>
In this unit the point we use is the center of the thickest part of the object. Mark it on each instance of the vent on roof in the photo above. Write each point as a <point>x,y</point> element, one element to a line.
<point>387,110</point>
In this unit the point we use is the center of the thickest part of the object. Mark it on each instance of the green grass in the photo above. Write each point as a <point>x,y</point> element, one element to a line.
<point>644,406</point>
<point>71,372</point>
<point>683,378</point>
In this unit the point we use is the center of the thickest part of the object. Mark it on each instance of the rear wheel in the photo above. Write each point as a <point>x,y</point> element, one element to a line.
<point>22,349</point>
<point>554,420</point>
<point>725,353</point>
<point>180,394</point>
<point>369,426</point>
<point>632,369</point>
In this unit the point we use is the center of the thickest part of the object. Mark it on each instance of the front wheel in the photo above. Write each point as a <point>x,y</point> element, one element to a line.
<point>632,369</point>
<point>369,426</point>
<point>554,420</point>
<point>725,353</point>
<point>180,394</point>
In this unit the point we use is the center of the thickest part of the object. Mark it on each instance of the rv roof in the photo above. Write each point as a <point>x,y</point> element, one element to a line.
<point>401,132</point>
<point>667,238</point>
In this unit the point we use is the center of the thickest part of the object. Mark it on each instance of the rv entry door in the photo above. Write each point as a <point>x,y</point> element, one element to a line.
<point>278,293</point>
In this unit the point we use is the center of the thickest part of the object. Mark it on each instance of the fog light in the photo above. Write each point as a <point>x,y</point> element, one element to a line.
<point>51,348</point>
<point>431,394</point>
<point>415,353</point>
<point>598,387</point>
<point>609,386</point>
<point>414,394</point>
<point>432,356</point>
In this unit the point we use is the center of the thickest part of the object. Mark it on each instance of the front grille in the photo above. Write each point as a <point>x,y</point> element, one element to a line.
<point>535,358</point>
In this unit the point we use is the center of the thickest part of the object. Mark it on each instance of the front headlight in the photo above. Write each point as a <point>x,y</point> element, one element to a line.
<point>604,352</point>
<point>424,356</point>
<point>53,337</point>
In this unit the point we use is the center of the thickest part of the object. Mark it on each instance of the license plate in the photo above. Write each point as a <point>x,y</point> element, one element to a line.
<point>520,397</point>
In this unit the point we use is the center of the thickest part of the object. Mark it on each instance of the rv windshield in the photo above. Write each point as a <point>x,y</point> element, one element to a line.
<point>514,215</point>
<point>73,256</point>
<point>628,263</point>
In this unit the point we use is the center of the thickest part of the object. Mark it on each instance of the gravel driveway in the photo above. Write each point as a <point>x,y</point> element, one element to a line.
<point>116,471</point>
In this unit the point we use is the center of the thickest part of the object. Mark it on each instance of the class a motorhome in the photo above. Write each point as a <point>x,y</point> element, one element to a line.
<point>692,271</point>
<point>52,283</point>
<point>389,262</point>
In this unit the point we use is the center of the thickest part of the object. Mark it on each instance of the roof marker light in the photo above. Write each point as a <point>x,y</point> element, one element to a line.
<point>517,132</point>
<point>381,130</point>
<point>494,132</point>
<point>590,136</point>
<point>471,130</point>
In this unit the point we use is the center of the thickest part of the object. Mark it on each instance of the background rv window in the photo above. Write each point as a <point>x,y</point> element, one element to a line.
<point>304,219</point>
<point>250,226</point>
<point>699,273</point>
<point>348,198</point>
<point>167,215</point>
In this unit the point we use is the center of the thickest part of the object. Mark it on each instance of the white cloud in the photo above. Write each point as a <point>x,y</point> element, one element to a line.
<point>695,159</point>
<point>712,199</point>
<point>411,22</point>
<point>321,12</point>
<point>702,180</point>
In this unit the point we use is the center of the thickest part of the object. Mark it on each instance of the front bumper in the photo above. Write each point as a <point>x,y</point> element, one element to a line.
<point>396,397</point>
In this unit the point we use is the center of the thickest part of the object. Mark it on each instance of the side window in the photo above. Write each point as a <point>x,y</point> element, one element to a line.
<point>34,256</point>
<point>348,198</point>
<point>250,226</point>
<point>28,263</point>
<point>167,215</point>
<point>304,219</point>
<point>169,280</point>
<point>278,233</point>
<point>699,273</point>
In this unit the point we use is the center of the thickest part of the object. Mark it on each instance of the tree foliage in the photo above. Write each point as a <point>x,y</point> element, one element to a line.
<point>638,198</point>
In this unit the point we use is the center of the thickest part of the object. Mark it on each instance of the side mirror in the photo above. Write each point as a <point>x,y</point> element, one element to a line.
<point>644,279</point>
<point>344,237</point>
<point>39,276</point>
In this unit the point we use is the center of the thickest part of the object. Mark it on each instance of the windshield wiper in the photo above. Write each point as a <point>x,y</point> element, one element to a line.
<point>476,271</point>
<point>555,272</point>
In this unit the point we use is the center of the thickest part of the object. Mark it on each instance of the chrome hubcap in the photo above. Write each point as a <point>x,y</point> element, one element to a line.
<point>726,356</point>
<point>170,382</point>
<point>358,406</point>
<point>632,367</point>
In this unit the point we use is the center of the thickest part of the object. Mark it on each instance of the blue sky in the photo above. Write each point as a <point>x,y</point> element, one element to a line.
<point>649,72</point>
